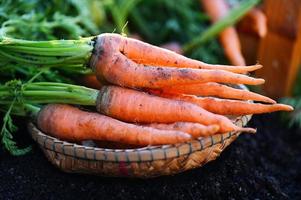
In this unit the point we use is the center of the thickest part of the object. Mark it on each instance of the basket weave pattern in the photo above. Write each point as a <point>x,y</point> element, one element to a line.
<point>142,162</point>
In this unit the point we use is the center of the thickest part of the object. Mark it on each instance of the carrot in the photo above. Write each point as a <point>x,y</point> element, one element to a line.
<point>255,22</point>
<point>118,69</point>
<point>72,124</point>
<point>217,9</point>
<point>213,89</point>
<point>90,81</point>
<point>196,130</point>
<point>230,107</point>
<point>134,106</point>
<point>231,44</point>
<point>120,103</point>
<point>143,53</point>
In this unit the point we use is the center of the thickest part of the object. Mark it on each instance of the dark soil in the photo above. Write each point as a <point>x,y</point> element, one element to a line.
<point>262,166</point>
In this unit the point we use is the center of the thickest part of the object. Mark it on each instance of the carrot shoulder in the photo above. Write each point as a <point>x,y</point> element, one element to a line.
<point>72,124</point>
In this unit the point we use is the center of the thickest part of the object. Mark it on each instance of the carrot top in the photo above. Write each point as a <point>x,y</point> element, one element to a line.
<point>46,92</point>
<point>69,54</point>
<point>24,99</point>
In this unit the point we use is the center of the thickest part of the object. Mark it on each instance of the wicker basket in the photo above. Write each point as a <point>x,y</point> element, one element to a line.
<point>142,162</point>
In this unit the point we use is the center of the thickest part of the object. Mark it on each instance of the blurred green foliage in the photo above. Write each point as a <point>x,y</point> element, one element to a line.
<point>179,21</point>
<point>53,19</point>
<point>155,21</point>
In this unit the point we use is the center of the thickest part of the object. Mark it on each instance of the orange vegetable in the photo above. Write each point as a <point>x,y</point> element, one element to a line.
<point>229,39</point>
<point>91,80</point>
<point>194,129</point>
<point>117,59</point>
<point>255,21</point>
<point>110,64</point>
<point>135,106</point>
<point>147,54</point>
<point>213,89</point>
<point>72,124</point>
<point>230,107</point>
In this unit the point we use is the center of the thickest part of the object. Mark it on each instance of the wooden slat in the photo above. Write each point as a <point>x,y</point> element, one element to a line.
<point>282,16</point>
<point>279,52</point>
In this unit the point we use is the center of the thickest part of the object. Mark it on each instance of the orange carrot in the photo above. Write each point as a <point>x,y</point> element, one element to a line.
<point>196,130</point>
<point>217,9</point>
<point>116,68</point>
<point>143,53</point>
<point>134,106</point>
<point>72,124</point>
<point>255,22</point>
<point>213,89</point>
<point>230,107</point>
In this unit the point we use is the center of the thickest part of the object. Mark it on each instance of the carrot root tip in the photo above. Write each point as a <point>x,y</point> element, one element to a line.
<point>261,81</point>
<point>258,66</point>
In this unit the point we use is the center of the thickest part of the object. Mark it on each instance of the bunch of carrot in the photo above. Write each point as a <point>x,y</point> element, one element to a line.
<point>148,95</point>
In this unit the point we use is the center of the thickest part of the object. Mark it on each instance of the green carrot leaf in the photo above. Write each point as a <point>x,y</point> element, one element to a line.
<point>7,129</point>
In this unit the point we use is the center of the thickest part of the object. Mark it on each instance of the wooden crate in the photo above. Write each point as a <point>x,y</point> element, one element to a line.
<point>280,51</point>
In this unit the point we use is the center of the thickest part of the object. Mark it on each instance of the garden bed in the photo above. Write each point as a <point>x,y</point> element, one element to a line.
<point>264,166</point>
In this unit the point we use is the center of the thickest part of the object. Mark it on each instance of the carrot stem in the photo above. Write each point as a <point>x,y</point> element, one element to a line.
<point>66,53</point>
<point>48,92</point>
<point>32,110</point>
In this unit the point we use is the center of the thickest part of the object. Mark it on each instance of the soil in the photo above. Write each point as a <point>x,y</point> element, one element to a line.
<point>261,166</point>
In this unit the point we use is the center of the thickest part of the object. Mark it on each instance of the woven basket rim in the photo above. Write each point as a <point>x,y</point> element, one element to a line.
<point>149,153</point>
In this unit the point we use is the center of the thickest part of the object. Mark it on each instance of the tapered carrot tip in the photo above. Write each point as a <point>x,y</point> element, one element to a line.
<point>260,81</point>
<point>257,66</point>
<point>284,107</point>
<point>251,68</point>
<point>262,31</point>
